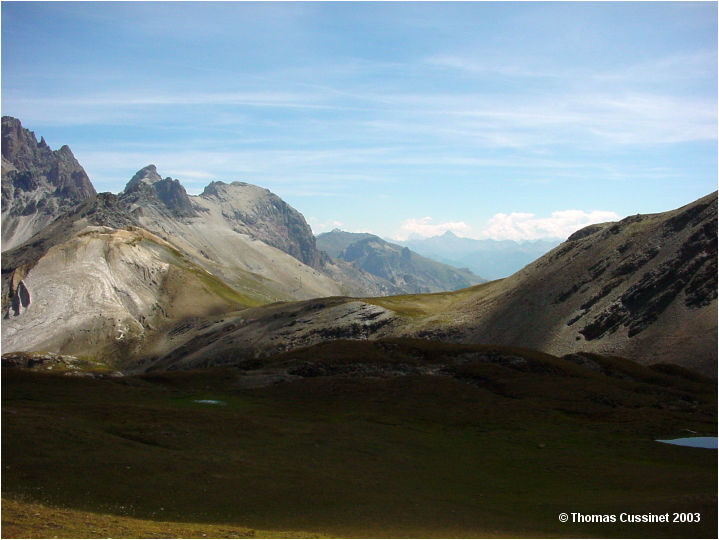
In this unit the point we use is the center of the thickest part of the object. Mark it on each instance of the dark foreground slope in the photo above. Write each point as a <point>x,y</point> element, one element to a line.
<point>387,438</point>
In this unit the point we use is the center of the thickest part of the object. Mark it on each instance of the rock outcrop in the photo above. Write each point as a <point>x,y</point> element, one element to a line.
<point>38,184</point>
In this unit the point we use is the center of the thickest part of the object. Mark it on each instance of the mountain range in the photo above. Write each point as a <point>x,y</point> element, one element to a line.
<point>153,278</point>
<point>492,259</point>
<point>399,265</point>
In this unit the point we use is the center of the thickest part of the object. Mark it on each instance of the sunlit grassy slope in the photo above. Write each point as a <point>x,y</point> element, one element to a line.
<point>497,442</point>
<point>24,519</point>
<point>426,305</point>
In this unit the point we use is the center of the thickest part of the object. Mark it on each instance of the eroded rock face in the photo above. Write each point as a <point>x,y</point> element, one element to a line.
<point>19,301</point>
<point>103,291</point>
<point>38,184</point>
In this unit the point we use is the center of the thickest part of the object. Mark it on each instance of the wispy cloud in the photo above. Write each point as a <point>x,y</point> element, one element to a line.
<point>425,228</point>
<point>526,226</point>
<point>517,226</point>
<point>545,101</point>
<point>320,226</point>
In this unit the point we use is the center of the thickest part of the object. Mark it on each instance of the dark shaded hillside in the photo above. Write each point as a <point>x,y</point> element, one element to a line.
<point>644,287</point>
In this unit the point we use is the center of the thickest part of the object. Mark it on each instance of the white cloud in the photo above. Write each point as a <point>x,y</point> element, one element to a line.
<point>524,226</point>
<point>517,226</point>
<point>424,227</point>
<point>319,226</point>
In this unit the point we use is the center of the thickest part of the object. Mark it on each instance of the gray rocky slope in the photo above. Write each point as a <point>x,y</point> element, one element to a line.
<point>399,265</point>
<point>38,184</point>
<point>102,292</point>
<point>103,274</point>
<point>644,288</point>
<point>238,228</point>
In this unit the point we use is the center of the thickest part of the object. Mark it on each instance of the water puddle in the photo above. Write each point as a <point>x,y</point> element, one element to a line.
<point>210,401</point>
<point>694,442</point>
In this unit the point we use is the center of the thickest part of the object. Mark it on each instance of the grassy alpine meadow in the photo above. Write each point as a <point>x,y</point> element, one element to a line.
<point>468,449</point>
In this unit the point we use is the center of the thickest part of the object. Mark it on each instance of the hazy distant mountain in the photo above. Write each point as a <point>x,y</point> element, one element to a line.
<point>492,259</point>
<point>400,265</point>
<point>38,184</point>
<point>336,241</point>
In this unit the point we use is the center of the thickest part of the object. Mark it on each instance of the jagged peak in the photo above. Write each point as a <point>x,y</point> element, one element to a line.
<point>146,175</point>
<point>64,151</point>
<point>147,185</point>
<point>11,122</point>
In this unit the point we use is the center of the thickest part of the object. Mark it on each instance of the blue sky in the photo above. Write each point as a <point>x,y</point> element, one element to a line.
<point>501,120</point>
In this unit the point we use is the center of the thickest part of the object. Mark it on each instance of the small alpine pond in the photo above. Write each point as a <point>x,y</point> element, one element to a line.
<point>694,442</point>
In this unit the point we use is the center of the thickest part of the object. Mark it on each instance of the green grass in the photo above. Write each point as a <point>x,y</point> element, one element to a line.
<point>491,452</point>
<point>416,306</point>
<point>25,519</point>
<point>224,291</point>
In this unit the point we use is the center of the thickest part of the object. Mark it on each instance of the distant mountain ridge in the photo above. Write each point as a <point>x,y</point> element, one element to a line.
<point>492,259</point>
<point>399,265</point>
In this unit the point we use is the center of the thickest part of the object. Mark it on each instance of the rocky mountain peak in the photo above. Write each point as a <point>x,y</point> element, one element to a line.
<point>147,175</point>
<point>236,191</point>
<point>148,187</point>
<point>38,184</point>
<point>259,213</point>
<point>214,189</point>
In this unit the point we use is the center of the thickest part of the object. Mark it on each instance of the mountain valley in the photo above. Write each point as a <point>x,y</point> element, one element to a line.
<point>220,370</point>
<point>492,259</point>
